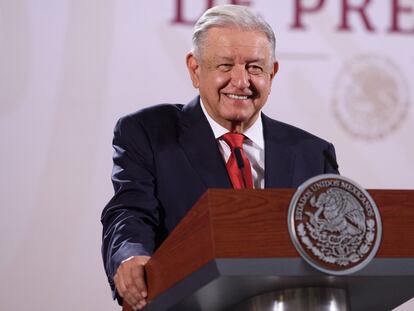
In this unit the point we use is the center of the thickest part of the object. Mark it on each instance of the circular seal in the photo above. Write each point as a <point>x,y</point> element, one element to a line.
<point>334,224</point>
<point>371,97</point>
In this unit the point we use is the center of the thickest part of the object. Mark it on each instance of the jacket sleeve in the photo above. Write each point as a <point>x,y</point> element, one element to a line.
<point>131,217</point>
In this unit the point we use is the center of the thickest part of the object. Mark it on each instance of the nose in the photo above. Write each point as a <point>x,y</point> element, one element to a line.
<point>240,77</point>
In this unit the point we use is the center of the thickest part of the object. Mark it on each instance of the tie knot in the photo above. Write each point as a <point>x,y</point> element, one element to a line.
<point>234,140</point>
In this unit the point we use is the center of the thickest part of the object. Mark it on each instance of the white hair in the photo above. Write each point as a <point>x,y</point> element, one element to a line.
<point>230,15</point>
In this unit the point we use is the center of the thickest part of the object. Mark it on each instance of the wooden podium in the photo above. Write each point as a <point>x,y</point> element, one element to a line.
<point>235,244</point>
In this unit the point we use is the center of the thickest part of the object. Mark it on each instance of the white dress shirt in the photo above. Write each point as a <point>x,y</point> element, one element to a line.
<point>253,146</point>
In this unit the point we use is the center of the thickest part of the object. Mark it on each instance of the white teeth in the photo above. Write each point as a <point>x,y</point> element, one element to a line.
<point>234,96</point>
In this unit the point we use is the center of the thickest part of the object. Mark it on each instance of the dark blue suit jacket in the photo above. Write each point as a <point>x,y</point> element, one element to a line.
<point>166,157</point>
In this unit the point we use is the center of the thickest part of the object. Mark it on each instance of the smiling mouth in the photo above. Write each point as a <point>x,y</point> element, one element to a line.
<point>239,97</point>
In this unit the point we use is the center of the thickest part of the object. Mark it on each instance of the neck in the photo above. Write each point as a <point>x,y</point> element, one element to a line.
<point>235,127</point>
<point>238,126</point>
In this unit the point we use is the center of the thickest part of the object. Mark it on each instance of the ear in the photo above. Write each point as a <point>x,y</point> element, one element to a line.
<point>273,74</point>
<point>193,68</point>
<point>275,70</point>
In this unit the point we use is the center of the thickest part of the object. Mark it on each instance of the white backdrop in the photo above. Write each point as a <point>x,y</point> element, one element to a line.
<point>70,68</point>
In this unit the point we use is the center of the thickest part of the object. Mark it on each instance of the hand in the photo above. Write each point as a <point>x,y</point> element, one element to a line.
<point>130,282</point>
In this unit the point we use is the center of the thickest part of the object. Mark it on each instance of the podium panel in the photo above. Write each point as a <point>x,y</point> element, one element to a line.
<point>235,244</point>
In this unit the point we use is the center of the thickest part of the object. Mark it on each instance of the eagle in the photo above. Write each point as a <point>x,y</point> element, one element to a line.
<point>338,211</point>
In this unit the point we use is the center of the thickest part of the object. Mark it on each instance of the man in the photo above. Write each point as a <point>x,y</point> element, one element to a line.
<point>166,156</point>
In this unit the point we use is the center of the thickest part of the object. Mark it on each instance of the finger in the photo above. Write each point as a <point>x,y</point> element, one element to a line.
<point>141,304</point>
<point>124,292</point>
<point>120,285</point>
<point>132,293</point>
<point>130,281</point>
<point>138,275</point>
<point>138,288</point>
<point>132,301</point>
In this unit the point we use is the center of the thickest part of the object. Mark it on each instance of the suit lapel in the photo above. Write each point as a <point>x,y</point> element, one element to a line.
<point>279,157</point>
<point>198,142</point>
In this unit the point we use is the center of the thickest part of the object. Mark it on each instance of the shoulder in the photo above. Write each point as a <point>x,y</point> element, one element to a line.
<point>142,131</point>
<point>163,118</point>
<point>156,114</point>
<point>304,145</point>
<point>289,134</point>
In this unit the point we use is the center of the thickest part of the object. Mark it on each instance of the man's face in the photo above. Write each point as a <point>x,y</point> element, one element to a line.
<point>234,74</point>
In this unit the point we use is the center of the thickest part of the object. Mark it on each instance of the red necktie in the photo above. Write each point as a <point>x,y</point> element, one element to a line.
<point>238,165</point>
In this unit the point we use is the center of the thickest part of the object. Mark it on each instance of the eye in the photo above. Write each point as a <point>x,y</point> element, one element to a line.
<point>225,67</point>
<point>254,69</point>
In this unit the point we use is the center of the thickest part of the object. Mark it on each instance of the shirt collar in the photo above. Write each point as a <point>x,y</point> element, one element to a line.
<point>254,133</point>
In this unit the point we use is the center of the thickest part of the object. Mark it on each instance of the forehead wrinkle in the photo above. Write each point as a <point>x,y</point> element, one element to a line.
<point>238,46</point>
<point>231,52</point>
<point>234,52</point>
<point>239,58</point>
